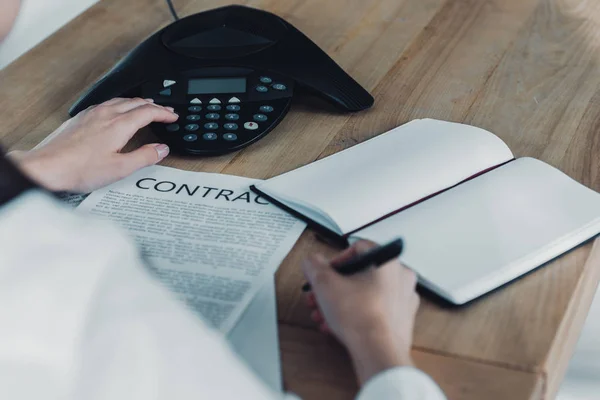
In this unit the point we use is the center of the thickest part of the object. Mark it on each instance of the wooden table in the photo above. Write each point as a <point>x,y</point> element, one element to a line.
<point>527,70</point>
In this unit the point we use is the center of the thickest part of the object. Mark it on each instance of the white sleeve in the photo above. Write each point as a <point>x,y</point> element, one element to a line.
<point>81,318</point>
<point>401,383</point>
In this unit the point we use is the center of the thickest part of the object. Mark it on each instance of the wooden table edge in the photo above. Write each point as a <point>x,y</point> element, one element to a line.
<point>566,338</point>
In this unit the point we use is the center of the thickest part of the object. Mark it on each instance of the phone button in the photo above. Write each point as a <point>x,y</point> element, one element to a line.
<point>230,137</point>
<point>266,109</point>
<point>252,126</point>
<point>262,89</point>
<point>209,136</point>
<point>192,127</point>
<point>260,117</point>
<point>190,138</point>
<point>279,86</point>
<point>173,128</point>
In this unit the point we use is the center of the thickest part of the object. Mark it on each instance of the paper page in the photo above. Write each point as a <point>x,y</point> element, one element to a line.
<point>205,236</point>
<point>71,199</point>
<point>255,337</point>
<point>372,179</point>
<point>492,229</point>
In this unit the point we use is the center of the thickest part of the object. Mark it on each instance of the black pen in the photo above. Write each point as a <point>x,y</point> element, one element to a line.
<point>374,257</point>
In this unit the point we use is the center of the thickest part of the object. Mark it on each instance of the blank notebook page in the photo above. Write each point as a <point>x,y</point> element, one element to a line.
<point>372,179</point>
<point>492,229</point>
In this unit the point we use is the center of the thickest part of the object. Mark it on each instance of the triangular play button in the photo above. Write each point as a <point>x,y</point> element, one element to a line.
<point>166,92</point>
<point>234,100</point>
<point>167,83</point>
<point>196,101</point>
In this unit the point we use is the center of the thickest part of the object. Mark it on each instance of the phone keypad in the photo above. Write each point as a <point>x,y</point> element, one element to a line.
<point>211,131</point>
<point>214,124</point>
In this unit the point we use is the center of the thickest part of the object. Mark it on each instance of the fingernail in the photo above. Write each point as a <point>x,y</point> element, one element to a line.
<point>171,109</point>
<point>150,100</point>
<point>162,150</point>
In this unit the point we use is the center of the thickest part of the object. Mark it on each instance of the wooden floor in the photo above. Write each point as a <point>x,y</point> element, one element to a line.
<point>527,70</point>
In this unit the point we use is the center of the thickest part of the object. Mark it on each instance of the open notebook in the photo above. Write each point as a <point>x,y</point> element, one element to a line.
<point>471,215</point>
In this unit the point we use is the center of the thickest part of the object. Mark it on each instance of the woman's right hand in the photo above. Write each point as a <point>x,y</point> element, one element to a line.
<point>84,153</point>
<point>372,313</point>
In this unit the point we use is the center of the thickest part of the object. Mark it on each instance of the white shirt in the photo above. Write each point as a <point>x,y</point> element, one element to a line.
<point>80,318</point>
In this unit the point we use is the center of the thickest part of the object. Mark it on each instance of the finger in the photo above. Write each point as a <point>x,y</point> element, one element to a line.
<point>324,328</point>
<point>311,301</point>
<point>416,301</point>
<point>144,115</point>
<point>317,317</point>
<point>145,156</point>
<point>131,104</point>
<point>352,251</point>
<point>408,276</point>
<point>317,270</point>
<point>114,101</point>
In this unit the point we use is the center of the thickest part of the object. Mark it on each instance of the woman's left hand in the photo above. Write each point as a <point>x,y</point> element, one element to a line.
<point>83,154</point>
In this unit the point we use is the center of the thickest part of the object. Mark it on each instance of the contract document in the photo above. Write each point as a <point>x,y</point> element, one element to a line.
<point>205,236</point>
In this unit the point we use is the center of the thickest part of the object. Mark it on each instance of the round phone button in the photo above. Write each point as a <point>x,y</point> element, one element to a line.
<point>260,117</point>
<point>232,117</point>
<point>262,89</point>
<point>252,126</point>
<point>230,137</point>
<point>209,136</point>
<point>193,117</point>
<point>211,126</point>
<point>230,126</point>
<point>195,109</point>
<point>191,127</point>
<point>279,86</point>
<point>173,128</point>
<point>233,107</point>
<point>265,79</point>
<point>190,138</point>
<point>212,116</point>
<point>213,107</point>
<point>266,109</point>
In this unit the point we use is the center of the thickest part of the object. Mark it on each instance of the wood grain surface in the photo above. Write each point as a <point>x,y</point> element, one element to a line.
<point>527,70</point>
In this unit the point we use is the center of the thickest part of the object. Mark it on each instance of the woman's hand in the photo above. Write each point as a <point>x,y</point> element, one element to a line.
<point>372,313</point>
<point>83,154</point>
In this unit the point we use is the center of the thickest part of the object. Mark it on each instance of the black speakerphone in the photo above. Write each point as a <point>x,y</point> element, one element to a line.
<point>230,73</point>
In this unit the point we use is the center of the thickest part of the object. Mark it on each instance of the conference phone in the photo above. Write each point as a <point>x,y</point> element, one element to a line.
<point>230,73</point>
